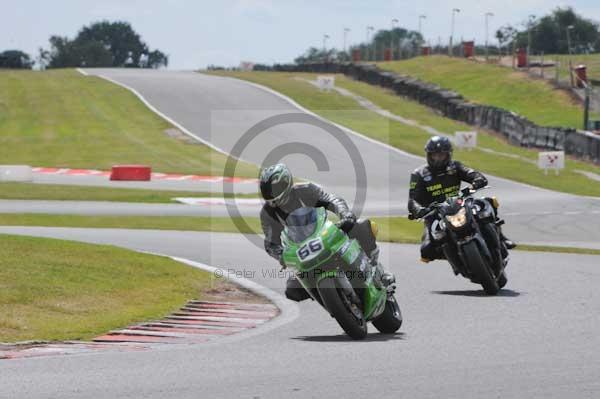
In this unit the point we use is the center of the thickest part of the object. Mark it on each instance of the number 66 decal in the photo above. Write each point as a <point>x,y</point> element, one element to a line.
<point>310,249</point>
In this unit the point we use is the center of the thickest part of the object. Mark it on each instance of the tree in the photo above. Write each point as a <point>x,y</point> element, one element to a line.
<point>506,34</point>
<point>585,35</point>
<point>549,33</point>
<point>314,54</point>
<point>118,38</point>
<point>157,59</point>
<point>104,44</point>
<point>43,58</point>
<point>402,40</point>
<point>15,59</point>
<point>406,41</point>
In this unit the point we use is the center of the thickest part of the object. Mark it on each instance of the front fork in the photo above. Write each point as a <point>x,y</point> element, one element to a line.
<point>451,253</point>
<point>452,249</point>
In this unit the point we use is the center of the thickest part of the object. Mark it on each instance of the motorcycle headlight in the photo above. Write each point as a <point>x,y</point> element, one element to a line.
<point>459,219</point>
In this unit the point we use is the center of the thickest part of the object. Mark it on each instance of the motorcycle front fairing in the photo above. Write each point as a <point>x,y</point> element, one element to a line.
<point>320,250</point>
<point>456,237</point>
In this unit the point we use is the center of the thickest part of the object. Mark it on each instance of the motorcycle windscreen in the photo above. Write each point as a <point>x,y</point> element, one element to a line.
<point>301,223</point>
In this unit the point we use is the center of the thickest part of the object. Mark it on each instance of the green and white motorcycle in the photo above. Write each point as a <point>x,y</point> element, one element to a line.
<point>337,273</point>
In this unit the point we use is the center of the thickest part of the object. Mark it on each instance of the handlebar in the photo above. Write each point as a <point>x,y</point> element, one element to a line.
<point>468,191</point>
<point>431,209</point>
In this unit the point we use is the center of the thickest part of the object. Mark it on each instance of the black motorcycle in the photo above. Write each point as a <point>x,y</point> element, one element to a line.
<point>467,231</point>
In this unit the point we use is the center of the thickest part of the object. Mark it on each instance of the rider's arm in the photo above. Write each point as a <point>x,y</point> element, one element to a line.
<point>272,228</point>
<point>330,201</point>
<point>415,191</point>
<point>470,175</point>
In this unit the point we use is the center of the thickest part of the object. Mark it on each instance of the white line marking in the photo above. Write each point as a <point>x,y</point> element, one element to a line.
<point>215,201</point>
<point>199,326</point>
<point>176,316</point>
<point>152,333</point>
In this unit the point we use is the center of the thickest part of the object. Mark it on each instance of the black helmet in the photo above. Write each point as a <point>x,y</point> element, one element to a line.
<point>276,184</point>
<point>438,145</point>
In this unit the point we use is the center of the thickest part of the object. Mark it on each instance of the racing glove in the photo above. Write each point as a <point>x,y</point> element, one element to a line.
<point>347,221</point>
<point>422,212</point>
<point>418,214</point>
<point>479,183</point>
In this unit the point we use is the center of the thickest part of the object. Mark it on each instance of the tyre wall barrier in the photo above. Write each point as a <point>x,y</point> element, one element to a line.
<point>131,173</point>
<point>16,173</point>
<point>517,129</point>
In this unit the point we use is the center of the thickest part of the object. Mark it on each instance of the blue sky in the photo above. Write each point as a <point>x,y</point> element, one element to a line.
<point>198,33</point>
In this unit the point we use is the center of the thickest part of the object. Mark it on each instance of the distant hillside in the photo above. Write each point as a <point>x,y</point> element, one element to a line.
<point>495,85</point>
<point>60,118</point>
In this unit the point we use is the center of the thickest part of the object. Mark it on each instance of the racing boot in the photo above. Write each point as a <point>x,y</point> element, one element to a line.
<point>295,291</point>
<point>510,244</point>
<point>382,278</point>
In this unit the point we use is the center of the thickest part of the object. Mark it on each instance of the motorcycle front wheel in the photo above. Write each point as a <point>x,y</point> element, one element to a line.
<point>479,268</point>
<point>347,314</point>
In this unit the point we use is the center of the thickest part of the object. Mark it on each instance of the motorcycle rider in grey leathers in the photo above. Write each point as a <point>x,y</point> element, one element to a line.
<point>282,197</point>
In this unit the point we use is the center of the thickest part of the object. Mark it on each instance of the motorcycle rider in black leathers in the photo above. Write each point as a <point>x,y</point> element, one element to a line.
<point>282,197</point>
<point>434,182</point>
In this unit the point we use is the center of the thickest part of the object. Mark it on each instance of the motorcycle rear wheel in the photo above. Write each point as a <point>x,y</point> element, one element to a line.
<point>355,327</point>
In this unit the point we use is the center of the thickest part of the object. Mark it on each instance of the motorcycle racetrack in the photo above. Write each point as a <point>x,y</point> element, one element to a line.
<point>538,338</point>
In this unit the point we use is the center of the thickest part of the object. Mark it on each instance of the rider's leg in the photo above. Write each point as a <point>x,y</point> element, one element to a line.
<point>294,290</point>
<point>364,234</point>
<point>364,231</point>
<point>429,250</point>
<point>510,244</point>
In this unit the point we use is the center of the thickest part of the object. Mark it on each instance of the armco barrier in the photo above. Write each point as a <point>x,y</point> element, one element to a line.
<point>517,129</point>
<point>16,173</point>
<point>131,173</point>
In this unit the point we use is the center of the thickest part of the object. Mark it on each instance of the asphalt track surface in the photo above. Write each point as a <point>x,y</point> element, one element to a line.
<point>539,338</point>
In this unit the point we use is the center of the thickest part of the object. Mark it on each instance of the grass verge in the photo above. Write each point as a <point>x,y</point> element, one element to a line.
<point>62,290</point>
<point>187,223</point>
<point>495,85</point>
<point>58,192</point>
<point>391,229</point>
<point>60,118</point>
<point>347,112</point>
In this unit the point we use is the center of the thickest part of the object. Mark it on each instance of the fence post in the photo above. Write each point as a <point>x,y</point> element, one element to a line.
<point>586,107</point>
<point>542,66</point>
<point>571,73</point>
<point>513,54</point>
